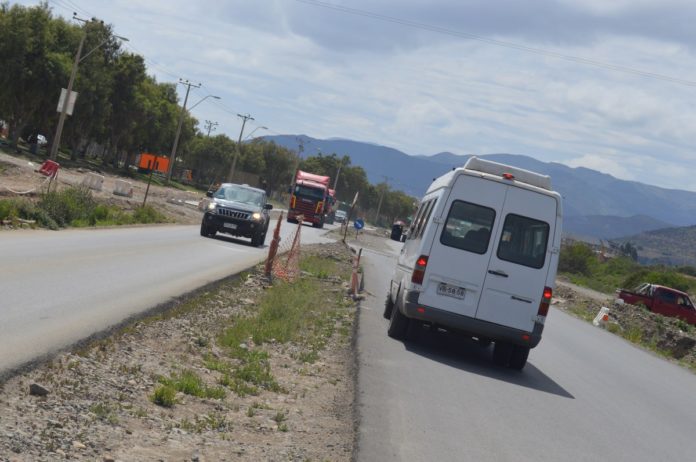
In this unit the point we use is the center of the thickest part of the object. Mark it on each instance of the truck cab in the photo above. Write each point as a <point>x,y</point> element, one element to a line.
<point>309,199</point>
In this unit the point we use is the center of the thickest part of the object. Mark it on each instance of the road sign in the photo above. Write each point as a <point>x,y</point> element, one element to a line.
<point>71,101</point>
<point>359,223</point>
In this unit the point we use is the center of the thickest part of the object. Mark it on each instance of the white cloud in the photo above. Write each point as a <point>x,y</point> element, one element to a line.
<point>302,69</point>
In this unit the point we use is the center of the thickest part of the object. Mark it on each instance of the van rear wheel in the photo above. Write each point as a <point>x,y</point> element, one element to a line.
<point>388,307</point>
<point>398,324</point>
<point>502,352</point>
<point>519,357</point>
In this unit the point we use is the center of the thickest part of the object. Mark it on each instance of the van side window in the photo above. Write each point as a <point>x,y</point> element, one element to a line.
<point>426,216</point>
<point>524,241</point>
<point>414,223</point>
<point>468,227</point>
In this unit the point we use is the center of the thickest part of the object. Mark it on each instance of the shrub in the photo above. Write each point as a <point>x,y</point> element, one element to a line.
<point>164,396</point>
<point>576,258</point>
<point>661,276</point>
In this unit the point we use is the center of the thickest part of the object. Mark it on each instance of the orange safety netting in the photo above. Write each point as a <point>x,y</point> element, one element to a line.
<point>286,264</point>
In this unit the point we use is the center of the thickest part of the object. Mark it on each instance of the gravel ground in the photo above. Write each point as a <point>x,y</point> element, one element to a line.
<point>97,401</point>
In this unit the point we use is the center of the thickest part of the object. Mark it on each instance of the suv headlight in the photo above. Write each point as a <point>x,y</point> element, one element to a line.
<point>211,206</point>
<point>256,216</point>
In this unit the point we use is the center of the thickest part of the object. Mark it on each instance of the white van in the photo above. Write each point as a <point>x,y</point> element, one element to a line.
<point>481,259</point>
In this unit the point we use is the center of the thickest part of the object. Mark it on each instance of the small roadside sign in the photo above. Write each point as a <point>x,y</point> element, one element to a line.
<point>359,223</point>
<point>71,101</point>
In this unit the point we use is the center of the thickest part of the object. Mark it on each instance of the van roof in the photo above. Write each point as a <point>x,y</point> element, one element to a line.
<point>478,166</point>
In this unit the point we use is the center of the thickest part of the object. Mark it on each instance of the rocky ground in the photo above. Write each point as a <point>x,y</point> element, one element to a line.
<point>98,403</point>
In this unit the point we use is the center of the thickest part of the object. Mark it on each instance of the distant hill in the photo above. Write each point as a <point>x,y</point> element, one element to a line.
<point>611,227</point>
<point>670,246</point>
<point>587,193</point>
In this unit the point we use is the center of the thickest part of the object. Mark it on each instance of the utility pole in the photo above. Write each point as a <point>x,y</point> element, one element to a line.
<point>238,151</point>
<point>210,126</point>
<point>338,172</point>
<point>64,110</point>
<point>300,150</point>
<point>73,73</point>
<point>381,196</point>
<point>172,158</point>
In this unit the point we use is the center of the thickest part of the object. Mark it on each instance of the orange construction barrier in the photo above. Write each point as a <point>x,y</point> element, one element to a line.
<point>49,168</point>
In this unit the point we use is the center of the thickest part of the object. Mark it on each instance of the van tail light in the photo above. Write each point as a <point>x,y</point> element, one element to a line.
<point>320,205</point>
<point>293,199</point>
<point>545,302</point>
<point>419,270</point>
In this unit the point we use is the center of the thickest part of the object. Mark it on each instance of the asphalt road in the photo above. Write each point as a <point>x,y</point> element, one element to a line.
<point>585,395</point>
<point>57,288</point>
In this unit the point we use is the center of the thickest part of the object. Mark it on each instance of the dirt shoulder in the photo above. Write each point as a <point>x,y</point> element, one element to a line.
<point>18,175</point>
<point>237,375</point>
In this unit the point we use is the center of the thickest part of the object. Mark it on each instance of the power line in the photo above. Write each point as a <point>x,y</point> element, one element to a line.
<point>501,43</point>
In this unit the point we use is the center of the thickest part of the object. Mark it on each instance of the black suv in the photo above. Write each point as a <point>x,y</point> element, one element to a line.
<point>239,210</point>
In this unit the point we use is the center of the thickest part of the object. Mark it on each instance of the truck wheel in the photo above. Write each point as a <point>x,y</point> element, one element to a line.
<point>398,324</point>
<point>502,351</point>
<point>388,306</point>
<point>519,357</point>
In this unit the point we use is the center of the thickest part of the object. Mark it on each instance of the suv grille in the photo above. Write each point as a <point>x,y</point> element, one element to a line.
<point>233,213</point>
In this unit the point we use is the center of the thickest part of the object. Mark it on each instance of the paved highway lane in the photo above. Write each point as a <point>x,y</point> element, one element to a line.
<point>585,395</point>
<point>59,287</point>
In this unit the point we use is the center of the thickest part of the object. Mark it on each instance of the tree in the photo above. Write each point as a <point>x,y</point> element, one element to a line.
<point>33,65</point>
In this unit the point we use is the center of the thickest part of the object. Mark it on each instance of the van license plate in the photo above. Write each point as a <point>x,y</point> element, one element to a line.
<point>450,291</point>
<point>230,225</point>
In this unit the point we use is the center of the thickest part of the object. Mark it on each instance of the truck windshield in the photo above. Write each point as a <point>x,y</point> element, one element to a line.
<point>310,193</point>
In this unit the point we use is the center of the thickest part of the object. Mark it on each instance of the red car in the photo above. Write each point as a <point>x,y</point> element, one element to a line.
<point>662,300</point>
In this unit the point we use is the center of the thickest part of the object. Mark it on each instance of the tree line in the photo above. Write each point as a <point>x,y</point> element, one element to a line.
<point>122,111</point>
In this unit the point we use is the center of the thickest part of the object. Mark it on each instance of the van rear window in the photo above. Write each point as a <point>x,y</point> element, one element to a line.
<point>468,227</point>
<point>523,241</point>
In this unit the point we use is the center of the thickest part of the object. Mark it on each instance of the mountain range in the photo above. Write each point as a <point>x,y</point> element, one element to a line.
<point>596,204</point>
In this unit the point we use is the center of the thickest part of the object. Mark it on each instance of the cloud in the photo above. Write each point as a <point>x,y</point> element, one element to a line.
<point>298,68</point>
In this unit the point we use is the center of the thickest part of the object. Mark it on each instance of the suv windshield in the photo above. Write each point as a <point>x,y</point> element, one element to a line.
<point>240,194</point>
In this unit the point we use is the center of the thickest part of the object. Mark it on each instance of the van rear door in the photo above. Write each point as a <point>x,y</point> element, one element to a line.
<point>520,260</point>
<point>461,246</point>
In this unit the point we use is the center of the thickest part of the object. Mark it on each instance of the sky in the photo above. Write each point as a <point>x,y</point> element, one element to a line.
<point>603,84</point>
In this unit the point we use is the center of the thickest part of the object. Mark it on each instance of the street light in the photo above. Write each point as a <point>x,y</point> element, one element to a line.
<point>203,99</point>
<point>172,158</point>
<point>252,132</point>
<point>73,73</point>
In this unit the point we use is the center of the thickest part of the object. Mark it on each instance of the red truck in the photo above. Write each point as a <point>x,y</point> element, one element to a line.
<point>662,300</point>
<point>310,198</point>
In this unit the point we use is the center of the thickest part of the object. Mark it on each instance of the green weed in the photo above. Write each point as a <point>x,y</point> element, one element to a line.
<point>189,383</point>
<point>164,396</point>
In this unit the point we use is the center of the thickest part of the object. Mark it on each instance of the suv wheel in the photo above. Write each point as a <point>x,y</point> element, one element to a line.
<point>258,239</point>
<point>206,231</point>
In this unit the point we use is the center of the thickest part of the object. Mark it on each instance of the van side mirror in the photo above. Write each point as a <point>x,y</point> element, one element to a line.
<point>209,193</point>
<point>268,206</point>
